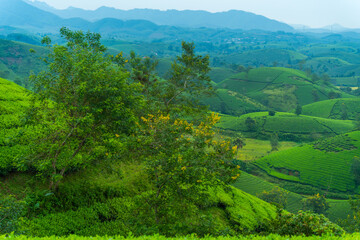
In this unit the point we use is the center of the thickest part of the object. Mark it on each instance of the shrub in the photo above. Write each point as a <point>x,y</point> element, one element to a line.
<point>316,203</point>
<point>303,223</point>
<point>275,196</point>
<point>11,212</point>
<point>272,113</point>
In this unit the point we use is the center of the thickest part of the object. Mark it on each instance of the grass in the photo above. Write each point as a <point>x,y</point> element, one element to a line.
<point>324,164</point>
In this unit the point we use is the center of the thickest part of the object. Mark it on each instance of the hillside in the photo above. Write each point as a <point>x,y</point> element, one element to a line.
<point>232,103</point>
<point>325,164</point>
<point>13,102</point>
<point>343,108</point>
<point>288,125</point>
<point>16,61</point>
<point>278,88</point>
<point>339,209</point>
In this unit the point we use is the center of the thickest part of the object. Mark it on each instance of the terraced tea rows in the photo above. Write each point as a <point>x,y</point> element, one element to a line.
<point>13,101</point>
<point>323,168</point>
<point>286,123</point>
<point>279,88</point>
<point>345,108</point>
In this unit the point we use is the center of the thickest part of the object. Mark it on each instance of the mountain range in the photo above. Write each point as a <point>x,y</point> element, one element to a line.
<point>38,16</point>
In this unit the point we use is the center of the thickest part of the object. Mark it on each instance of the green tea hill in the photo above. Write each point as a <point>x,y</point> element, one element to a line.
<point>325,164</point>
<point>289,126</point>
<point>16,60</point>
<point>232,103</point>
<point>339,209</point>
<point>343,108</point>
<point>278,88</point>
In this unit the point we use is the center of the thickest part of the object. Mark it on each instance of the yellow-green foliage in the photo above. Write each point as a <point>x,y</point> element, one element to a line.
<point>325,164</point>
<point>255,149</point>
<point>13,102</point>
<point>190,237</point>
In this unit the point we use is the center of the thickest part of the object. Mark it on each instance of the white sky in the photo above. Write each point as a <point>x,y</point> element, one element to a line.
<point>313,13</point>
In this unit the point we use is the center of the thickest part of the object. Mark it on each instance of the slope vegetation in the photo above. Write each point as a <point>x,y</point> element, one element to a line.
<point>279,88</point>
<point>13,102</point>
<point>325,164</point>
<point>232,103</point>
<point>344,108</point>
<point>286,124</point>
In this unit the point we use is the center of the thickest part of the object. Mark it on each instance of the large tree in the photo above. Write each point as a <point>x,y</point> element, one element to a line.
<point>83,103</point>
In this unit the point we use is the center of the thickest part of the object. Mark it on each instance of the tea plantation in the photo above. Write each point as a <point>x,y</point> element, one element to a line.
<point>279,88</point>
<point>325,164</point>
<point>13,102</point>
<point>289,126</point>
<point>344,108</point>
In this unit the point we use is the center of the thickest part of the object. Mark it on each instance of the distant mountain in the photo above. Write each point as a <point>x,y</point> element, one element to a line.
<point>233,19</point>
<point>17,13</point>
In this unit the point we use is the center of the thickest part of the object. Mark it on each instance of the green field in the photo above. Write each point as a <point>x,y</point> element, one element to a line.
<point>325,164</point>
<point>334,108</point>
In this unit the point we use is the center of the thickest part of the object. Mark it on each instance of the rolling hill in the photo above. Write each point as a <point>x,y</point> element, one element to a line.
<point>342,108</point>
<point>16,61</point>
<point>339,209</point>
<point>232,103</point>
<point>278,88</point>
<point>288,125</point>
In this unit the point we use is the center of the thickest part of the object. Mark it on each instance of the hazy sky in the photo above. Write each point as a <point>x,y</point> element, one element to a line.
<point>314,13</point>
